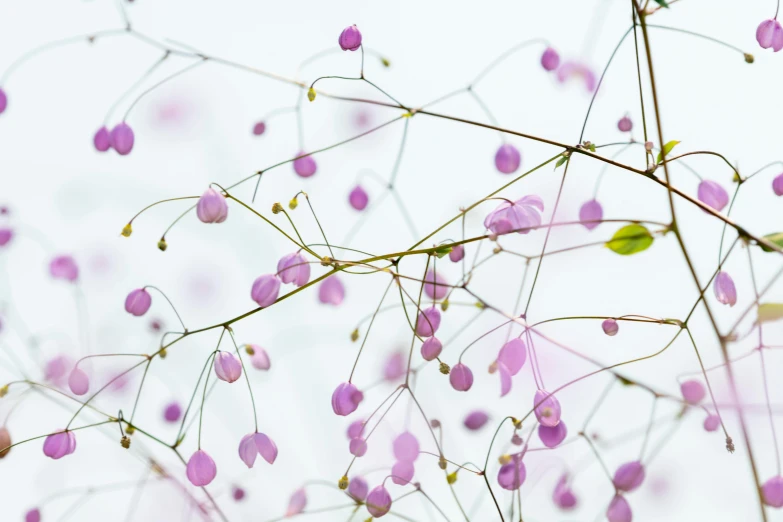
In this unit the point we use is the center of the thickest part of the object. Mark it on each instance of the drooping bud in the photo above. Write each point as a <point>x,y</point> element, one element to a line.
<point>212,207</point>
<point>550,60</point>
<point>461,378</point>
<point>201,469</point>
<point>265,290</point>
<point>507,159</point>
<point>358,198</point>
<point>346,398</point>
<point>304,166</point>
<point>476,420</point>
<point>227,367</point>
<point>350,39</point>
<point>78,381</point>
<point>122,138</point>
<point>102,140</point>
<point>138,302</point>
<point>610,327</point>
<point>692,391</point>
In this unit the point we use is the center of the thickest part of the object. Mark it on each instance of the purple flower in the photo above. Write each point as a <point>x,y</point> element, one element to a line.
<point>772,492</point>
<point>227,367</point>
<point>201,469</point>
<point>610,327</point>
<point>476,420</point>
<point>431,348</point>
<point>58,445</point>
<point>427,322</point>
<point>5,236</point>
<point>350,39</point>
<point>260,359</point>
<point>590,214</point>
<point>713,195</point>
<point>304,166</point>
<point>331,291</point>
<point>402,472</point>
<point>692,391</point>
<point>78,381</point>
<point>358,488</point>
<point>435,286</point>
<point>725,291</point>
<point>294,268</point>
<point>512,475</point>
<point>406,447</point>
<point>3,101</point>
<point>625,124</point>
<point>212,207</point>
<point>547,408</point>
<point>34,515</point>
<point>571,70</point>
<point>259,128</point>
<point>138,302</point>
<point>520,216</point>
<point>296,503</point>
<point>777,185</point>
<point>173,412</point>
<point>64,267</point>
<point>346,398</point>
<point>358,198</point>
<point>563,496</point>
<point>460,377</point>
<point>552,436</point>
<point>122,138</point>
<point>507,159</point>
<point>5,441</point>
<point>513,355</point>
<point>378,501</point>
<point>769,35</point>
<point>357,447</point>
<point>711,423</point>
<point>265,290</point>
<point>396,366</point>
<point>355,429</point>
<point>458,252</point>
<point>102,140</point>
<point>619,510</point>
<point>254,444</point>
<point>550,60</point>
<point>629,476</point>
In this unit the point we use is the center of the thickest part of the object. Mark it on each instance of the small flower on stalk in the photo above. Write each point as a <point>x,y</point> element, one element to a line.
<point>212,207</point>
<point>227,367</point>
<point>725,291</point>
<point>201,469</point>
<point>350,39</point>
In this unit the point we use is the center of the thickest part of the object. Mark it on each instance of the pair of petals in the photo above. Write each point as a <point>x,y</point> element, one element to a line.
<point>294,268</point>
<point>59,445</point>
<point>254,444</point>
<point>519,216</point>
<point>511,358</point>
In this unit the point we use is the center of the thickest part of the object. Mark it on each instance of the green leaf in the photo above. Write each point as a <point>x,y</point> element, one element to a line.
<point>443,250</point>
<point>776,238</point>
<point>560,162</point>
<point>630,239</point>
<point>662,3</point>
<point>769,312</point>
<point>667,149</point>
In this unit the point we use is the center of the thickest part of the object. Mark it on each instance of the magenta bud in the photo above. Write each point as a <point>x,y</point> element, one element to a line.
<point>304,166</point>
<point>350,39</point>
<point>6,234</point>
<point>3,101</point>
<point>476,420</point>
<point>431,348</point>
<point>138,302</point>
<point>428,322</point>
<point>625,124</point>
<point>552,436</point>
<point>507,159</point>
<point>173,412</point>
<point>772,492</point>
<point>725,291</point>
<point>610,327</point>
<point>711,423</point>
<point>512,475</point>
<point>122,138</point>
<point>5,441</point>
<point>378,501</point>
<point>227,367</point>
<point>254,444</point>
<point>294,268</point>
<point>201,469</point>
<point>457,253</point>
<point>396,366</point>
<point>346,398</point>
<point>260,359</point>
<point>563,497</point>
<point>435,286</point>
<point>358,488</point>
<point>64,267</point>
<point>259,128</point>
<point>547,408</point>
<point>520,216</point>
<point>769,35</point>
<point>58,445</point>
<point>629,476</point>
<point>513,355</point>
<point>460,377</point>
<point>619,510</point>
<point>550,60</point>
<point>296,503</point>
<point>265,290</point>
<point>331,291</point>
<point>777,185</point>
<point>212,207</point>
<point>712,194</point>
<point>237,493</point>
<point>406,447</point>
<point>692,391</point>
<point>34,515</point>
<point>590,214</point>
<point>402,472</point>
<point>358,198</point>
<point>78,381</point>
<point>355,429</point>
<point>102,140</point>
<point>357,447</point>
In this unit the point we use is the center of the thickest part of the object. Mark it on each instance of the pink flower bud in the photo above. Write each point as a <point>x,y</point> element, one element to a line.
<point>254,444</point>
<point>358,198</point>
<point>769,35</point>
<point>260,359</point>
<point>512,475</point>
<point>102,140</point>
<point>304,166</point>
<point>331,291</point>
<point>357,488</point>
<point>619,510</point>
<point>563,497</point>
<point>294,268</point>
<point>507,159</point>
<point>435,286</point>
<point>476,420</point>
<point>350,39</point>
<point>5,441</point>
<point>201,469</point>
<point>173,412</point>
<point>396,366</point>
<point>629,476</point>
<point>406,447</point>
<point>457,253</point>
<point>34,515</point>
<point>460,377</point>
<point>379,501</point>
<point>138,302</point>
<point>78,381</point>
<point>625,124</point>
<point>428,322</point>
<point>59,445</point>
<point>122,138</point>
<point>725,291</point>
<point>551,437</point>
<point>64,267</point>
<point>212,207</point>
<point>513,355</point>
<point>550,60</point>
<point>6,234</point>
<point>265,290</point>
<point>431,348</point>
<point>590,214</point>
<point>777,185</point>
<point>227,367</point>
<point>772,492</point>
<point>547,408</point>
<point>259,128</point>
<point>711,423</point>
<point>610,327</point>
<point>357,447</point>
<point>355,429</point>
<point>692,391</point>
<point>402,472</point>
<point>713,195</point>
<point>237,493</point>
<point>346,399</point>
<point>296,503</point>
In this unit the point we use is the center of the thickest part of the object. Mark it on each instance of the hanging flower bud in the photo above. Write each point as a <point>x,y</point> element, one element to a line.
<point>396,366</point>
<point>772,492</point>
<point>346,398</point>
<point>212,207</point>
<point>512,475</point>
<point>173,412</point>
<point>550,60</point>
<point>725,291</point>
<point>461,378</point>
<point>406,447</point>
<point>64,267</point>
<point>513,355</point>
<point>769,35</point>
<point>265,290</point>
<point>6,234</point>
<point>590,214</point>
<point>357,447</point>
<point>331,291</point>
<point>296,503</point>
<point>122,138</point>
<point>431,348</point>
<point>5,441</point>
<point>254,444</point>
<point>78,381</point>
<point>619,510</point>
<point>358,198</point>
<point>552,436</point>
<point>777,185</point>
<point>457,253</point>
<point>476,420</point>
<point>34,515</point>
<point>402,472</point>
<point>711,423</point>
<point>259,128</point>
<point>102,140</point>
<point>571,70</point>
<point>227,367</point>
<point>304,166</point>
<point>237,493</point>
<point>563,497</point>
<point>610,327</point>
<point>520,216</point>
<point>201,469</point>
<point>629,476</point>
<point>350,39</point>
<point>138,302</point>
<point>58,445</point>
<point>294,268</point>
<point>260,359</point>
<point>547,408</point>
<point>713,195</point>
<point>625,124</point>
<point>692,391</point>
<point>379,501</point>
<point>435,286</point>
<point>507,159</point>
<point>3,101</point>
<point>428,322</point>
<point>358,488</point>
